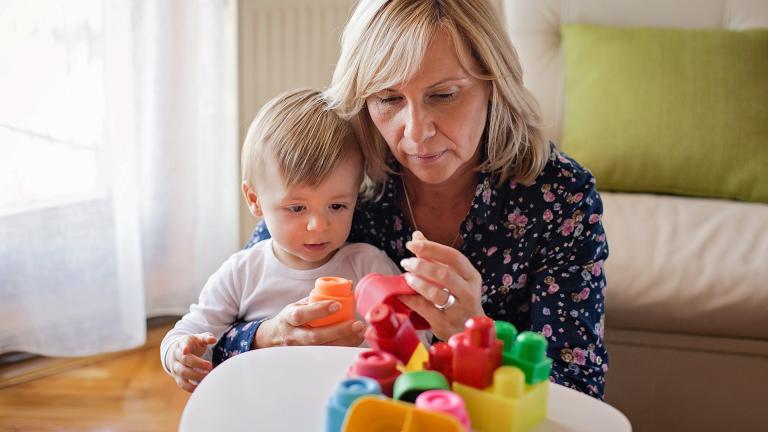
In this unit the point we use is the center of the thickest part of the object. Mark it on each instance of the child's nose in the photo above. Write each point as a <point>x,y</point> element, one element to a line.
<point>317,222</point>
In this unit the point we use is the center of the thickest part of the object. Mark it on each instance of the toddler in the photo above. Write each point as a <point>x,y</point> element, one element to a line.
<point>302,170</point>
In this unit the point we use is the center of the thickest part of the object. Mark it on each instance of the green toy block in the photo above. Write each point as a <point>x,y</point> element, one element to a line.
<point>410,385</point>
<point>507,333</point>
<point>529,353</point>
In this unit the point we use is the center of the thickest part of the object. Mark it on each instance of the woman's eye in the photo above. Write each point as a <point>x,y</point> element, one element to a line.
<point>295,208</point>
<point>388,100</point>
<point>445,97</point>
<point>338,207</point>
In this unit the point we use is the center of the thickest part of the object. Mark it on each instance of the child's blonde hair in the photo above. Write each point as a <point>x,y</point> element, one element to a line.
<point>297,131</point>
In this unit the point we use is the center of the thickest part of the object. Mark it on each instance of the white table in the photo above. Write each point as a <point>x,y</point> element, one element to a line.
<point>285,389</point>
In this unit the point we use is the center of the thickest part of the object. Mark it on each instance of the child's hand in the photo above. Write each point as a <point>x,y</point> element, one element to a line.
<point>187,366</point>
<point>289,327</point>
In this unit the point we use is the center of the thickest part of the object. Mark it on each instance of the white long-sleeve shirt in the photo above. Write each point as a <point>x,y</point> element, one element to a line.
<point>253,284</point>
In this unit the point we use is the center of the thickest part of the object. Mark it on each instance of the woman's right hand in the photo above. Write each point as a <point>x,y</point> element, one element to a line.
<point>289,327</point>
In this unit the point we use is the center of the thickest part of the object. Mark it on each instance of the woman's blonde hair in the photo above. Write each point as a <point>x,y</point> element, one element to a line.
<point>383,45</point>
<point>297,131</point>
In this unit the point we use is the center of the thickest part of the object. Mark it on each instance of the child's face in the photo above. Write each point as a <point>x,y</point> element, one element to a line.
<point>308,223</point>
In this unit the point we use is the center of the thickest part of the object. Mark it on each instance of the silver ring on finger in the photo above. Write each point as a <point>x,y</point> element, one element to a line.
<point>448,302</point>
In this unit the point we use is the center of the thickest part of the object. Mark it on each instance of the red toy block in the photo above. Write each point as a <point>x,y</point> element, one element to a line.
<point>375,289</point>
<point>441,360</point>
<point>379,365</point>
<point>476,353</point>
<point>391,332</point>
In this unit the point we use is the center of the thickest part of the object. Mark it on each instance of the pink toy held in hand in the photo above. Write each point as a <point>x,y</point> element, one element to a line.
<point>375,289</point>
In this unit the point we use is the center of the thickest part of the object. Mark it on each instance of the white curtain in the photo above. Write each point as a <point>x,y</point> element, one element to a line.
<point>118,166</point>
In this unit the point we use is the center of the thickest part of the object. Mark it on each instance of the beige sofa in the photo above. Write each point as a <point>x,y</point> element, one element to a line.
<point>687,299</point>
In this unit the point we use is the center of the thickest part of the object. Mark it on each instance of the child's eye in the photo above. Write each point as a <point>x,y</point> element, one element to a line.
<point>337,206</point>
<point>295,208</point>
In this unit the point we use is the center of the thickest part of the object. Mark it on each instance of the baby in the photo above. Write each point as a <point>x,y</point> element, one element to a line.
<point>302,170</point>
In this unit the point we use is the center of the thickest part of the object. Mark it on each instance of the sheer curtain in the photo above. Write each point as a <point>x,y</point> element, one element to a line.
<point>118,166</point>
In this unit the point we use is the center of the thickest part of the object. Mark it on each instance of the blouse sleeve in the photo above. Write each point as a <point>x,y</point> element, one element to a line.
<point>568,292</point>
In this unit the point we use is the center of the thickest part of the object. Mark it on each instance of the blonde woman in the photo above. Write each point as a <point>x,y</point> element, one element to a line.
<point>482,213</point>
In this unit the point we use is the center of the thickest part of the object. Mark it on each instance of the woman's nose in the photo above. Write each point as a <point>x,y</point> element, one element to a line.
<point>419,125</point>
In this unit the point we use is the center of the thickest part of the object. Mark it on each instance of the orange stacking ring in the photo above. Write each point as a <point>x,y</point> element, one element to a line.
<point>336,289</point>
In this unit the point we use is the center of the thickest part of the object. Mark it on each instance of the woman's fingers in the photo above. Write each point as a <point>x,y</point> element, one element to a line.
<point>428,278</point>
<point>433,251</point>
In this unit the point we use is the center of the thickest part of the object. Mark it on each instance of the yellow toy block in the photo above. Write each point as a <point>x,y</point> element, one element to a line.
<point>378,414</point>
<point>509,405</point>
<point>418,358</point>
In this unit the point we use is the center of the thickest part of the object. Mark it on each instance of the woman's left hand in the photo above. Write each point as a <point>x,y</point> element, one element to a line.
<point>435,269</point>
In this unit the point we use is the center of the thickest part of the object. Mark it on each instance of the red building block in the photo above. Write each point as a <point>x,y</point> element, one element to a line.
<point>391,332</point>
<point>476,353</point>
<point>441,360</point>
<point>379,365</point>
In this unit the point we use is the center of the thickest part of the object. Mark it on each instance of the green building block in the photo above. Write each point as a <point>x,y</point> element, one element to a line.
<point>529,353</point>
<point>410,385</point>
<point>507,333</point>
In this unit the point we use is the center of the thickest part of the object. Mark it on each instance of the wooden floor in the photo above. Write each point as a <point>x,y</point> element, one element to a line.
<point>121,392</point>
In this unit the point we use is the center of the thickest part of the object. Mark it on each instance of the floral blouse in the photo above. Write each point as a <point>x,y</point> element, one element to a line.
<point>540,250</point>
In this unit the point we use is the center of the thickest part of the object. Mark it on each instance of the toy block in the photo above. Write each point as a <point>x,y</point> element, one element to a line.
<point>446,402</point>
<point>410,385</point>
<point>476,353</point>
<point>379,365</point>
<point>347,391</point>
<point>441,360</point>
<point>391,332</point>
<point>375,289</point>
<point>337,289</point>
<point>529,353</point>
<point>509,405</point>
<point>507,333</point>
<point>419,356</point>
<point>377,414</point>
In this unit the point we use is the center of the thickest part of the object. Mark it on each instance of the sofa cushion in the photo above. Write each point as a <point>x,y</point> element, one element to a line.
<point>678,111</point>
<point>687,265</point>
<point>534,28</point>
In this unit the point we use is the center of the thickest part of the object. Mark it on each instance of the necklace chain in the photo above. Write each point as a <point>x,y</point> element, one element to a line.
<point>413,215</point>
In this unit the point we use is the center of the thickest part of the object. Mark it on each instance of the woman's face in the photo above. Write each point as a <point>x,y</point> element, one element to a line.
<point>433,122</point>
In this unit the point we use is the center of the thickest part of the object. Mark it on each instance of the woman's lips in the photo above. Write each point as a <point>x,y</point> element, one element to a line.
<point>427,158</point>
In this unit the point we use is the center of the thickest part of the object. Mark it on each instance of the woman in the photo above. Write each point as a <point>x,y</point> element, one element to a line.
<point>502,223</point>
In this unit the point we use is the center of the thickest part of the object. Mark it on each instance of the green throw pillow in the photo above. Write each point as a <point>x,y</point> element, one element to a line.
<point>675,111</point>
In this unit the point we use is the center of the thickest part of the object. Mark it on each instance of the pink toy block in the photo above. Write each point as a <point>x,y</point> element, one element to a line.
<point>446,402</point>
<point>375,289</point>
<point>379,365</point>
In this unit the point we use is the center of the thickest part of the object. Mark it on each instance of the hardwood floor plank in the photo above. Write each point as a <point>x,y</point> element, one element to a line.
<point>128,392</point>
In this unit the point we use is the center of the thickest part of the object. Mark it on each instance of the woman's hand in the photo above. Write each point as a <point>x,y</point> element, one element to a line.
<point>289,327</point>
<point>186,363</point>
<point>436,267</point>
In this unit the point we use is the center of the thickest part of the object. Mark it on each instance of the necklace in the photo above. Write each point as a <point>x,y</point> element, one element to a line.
<point>413,216</point>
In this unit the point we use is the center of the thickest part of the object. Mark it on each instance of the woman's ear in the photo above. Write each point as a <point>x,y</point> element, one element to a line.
<point>252,200</point>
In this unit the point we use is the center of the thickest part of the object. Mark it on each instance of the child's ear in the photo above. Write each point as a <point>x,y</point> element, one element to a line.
<point>252,200</point>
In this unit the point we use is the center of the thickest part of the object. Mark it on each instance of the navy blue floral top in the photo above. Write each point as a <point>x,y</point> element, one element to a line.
<point>540,251</point>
